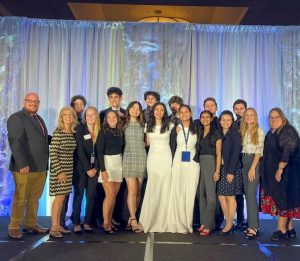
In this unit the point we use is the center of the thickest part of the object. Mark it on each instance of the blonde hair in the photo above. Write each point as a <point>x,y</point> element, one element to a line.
<point>60,124</point>
<point>253,130</point>
<point>96,128</point>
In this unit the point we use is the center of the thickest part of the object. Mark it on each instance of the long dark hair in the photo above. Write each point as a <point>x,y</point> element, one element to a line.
<point>164,121</point>
<point>226,112</point>
<point>212,129</point>
<point>118,131</point>
<point>192,127</point>
<point>140,118</point>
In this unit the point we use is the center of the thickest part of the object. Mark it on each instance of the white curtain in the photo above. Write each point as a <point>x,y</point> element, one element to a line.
<point>58,59</point>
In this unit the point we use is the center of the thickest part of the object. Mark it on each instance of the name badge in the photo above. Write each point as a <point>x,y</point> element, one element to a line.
<point>87,136</point>
<point>185,156</point>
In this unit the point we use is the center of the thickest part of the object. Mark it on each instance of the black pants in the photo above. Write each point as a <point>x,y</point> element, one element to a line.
<point>239,209</point>
<point>89,184</point>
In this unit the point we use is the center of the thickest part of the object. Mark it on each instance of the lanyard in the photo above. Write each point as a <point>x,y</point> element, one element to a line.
<point>186,136</point>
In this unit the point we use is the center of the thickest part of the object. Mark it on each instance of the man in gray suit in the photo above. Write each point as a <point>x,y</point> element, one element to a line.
<point>28,140</point>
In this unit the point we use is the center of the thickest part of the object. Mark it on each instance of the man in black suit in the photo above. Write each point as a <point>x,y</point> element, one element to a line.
<point>114,95</point>
<point>239,107</point>
<point>28,140</point>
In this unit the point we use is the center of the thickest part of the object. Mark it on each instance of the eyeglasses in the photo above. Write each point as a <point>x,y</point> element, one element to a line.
<point>33,101</point>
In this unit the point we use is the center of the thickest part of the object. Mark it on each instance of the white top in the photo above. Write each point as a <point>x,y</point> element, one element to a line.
<point>248,147</point>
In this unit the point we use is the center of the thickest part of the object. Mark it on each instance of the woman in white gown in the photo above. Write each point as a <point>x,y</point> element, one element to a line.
<point>156,200</point>
<point>185,174</point>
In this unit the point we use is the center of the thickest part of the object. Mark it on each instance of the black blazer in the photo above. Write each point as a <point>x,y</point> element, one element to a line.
<point>29,147</point>
<point>85,148</point>
<point>231,149</point>
<point>102,113</point>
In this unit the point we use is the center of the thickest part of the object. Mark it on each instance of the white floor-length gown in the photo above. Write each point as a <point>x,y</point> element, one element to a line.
<point>156,200</point>
<point>184,184</point>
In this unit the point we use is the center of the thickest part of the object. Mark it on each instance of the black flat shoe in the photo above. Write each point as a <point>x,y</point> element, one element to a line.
<point>88,230</point>
<point>278,236</point>
<point>291,233</point>
<point>77,231</point>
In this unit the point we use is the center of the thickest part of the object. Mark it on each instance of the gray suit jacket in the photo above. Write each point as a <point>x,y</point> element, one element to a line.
<point>29,147</point>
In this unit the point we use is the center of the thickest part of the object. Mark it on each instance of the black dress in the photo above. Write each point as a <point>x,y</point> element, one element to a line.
<point>281,198</point>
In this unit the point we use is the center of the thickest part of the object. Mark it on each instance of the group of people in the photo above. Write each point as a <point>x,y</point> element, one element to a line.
<point>212,159</point>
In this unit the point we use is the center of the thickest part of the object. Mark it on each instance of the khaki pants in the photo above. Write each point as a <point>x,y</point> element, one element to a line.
<point>28,190</point>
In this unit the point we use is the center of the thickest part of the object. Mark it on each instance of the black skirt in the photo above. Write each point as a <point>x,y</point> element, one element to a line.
<point>234,188</point>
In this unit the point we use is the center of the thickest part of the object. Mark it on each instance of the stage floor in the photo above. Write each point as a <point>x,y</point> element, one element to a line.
<point>153,246</point>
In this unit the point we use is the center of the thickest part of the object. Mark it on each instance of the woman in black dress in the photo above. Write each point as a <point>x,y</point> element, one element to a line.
<point>230,183</point>
<point>280,187</point>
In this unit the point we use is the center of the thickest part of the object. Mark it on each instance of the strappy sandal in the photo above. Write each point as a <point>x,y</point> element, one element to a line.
<point>55,234</point>
<point>205,233</point>
<point>252,233</point>
<point>246,230</point>
<point>200,229</point>
<point>64,231</point>
<point>128,226</point>
<point>135,229</point>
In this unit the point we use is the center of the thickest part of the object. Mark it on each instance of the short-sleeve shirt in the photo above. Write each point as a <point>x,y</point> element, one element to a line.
<point>208,144</point>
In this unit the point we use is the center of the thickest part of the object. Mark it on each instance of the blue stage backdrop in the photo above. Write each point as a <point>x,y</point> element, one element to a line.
<point>58,59</point>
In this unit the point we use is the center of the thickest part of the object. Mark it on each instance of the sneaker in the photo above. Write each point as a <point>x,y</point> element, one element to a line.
<point>278,236</point>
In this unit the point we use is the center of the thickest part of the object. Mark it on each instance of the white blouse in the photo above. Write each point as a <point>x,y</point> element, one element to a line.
<point>248,147</point>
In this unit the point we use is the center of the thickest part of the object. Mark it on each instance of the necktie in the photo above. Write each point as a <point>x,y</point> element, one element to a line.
<point>37,120</point>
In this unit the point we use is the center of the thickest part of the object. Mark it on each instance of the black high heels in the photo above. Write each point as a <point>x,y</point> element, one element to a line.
<point>226,233</point>
<point>291,233</point>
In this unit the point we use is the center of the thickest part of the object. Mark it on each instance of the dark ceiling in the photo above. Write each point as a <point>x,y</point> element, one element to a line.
<point>260,12</point>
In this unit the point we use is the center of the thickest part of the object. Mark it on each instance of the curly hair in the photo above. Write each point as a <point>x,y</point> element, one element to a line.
<point>77,97</point>
<point>156,95</point>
